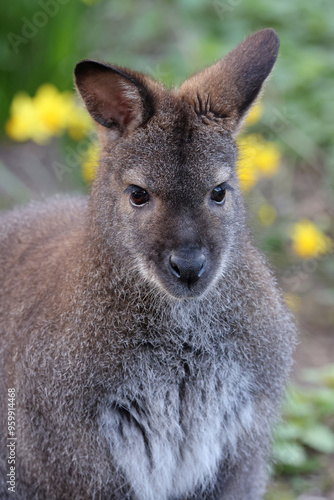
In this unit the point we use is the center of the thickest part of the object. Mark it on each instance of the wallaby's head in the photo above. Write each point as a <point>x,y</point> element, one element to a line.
<point>166,196</point>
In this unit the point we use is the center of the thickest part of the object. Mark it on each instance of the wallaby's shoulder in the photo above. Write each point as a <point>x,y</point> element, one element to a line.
<point>42,216</point>
<point>38,220</point>
<point>32,235</point>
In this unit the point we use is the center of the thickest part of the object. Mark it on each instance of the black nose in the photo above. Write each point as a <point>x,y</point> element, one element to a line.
<point>187,264</point>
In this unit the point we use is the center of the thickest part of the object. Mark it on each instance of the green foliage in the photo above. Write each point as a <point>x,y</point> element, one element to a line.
<point>37,46</point>
<point>308,429</point>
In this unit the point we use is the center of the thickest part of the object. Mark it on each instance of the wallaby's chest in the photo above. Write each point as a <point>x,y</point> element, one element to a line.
<point>169,440</point>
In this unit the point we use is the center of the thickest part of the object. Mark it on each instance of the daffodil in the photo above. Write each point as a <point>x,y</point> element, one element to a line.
<point>267,159</point>
<point>52,108</point>
<point>247,172</point>
<point>255,114</point>
<point>308,241</point>
<point>89,163</point>
<point>49,113</point>
<point>79,122</point>
<point>24,122</point>
<point>257,158</point>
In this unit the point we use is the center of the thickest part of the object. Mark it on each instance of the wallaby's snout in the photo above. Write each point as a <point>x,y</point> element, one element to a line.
<point>187,264</point>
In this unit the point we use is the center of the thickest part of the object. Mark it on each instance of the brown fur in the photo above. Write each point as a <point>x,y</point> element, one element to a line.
<point>133,382</point>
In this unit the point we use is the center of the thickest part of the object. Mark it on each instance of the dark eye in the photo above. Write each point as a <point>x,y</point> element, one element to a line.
<point>139,196</point>
<point>218,194</point>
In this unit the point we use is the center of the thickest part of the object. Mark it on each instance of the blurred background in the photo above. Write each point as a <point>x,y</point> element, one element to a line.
<point>286,161</point>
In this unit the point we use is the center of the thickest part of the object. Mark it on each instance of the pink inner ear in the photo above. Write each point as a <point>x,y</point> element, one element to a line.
<point>114,100</point>
<point>123,111</point>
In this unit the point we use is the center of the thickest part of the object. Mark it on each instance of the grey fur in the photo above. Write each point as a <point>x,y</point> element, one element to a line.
<point>129,384</point>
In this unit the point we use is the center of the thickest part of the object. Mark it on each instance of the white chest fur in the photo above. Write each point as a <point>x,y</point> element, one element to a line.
<point>169,442</point>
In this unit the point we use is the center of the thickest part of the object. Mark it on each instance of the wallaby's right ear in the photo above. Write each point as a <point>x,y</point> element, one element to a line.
<point>116,98</point>
<point>225,91</point>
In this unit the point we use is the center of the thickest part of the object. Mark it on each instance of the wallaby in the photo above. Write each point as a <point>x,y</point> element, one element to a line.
<point>143,336</point>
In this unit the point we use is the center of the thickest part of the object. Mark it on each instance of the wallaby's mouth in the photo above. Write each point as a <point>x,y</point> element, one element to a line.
<point>183,291</point>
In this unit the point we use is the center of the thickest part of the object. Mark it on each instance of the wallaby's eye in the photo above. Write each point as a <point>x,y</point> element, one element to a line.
<point>218,194</point>
<point>139,196</point>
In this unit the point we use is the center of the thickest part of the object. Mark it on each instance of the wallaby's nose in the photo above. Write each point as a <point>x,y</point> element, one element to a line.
<point>187,264</point>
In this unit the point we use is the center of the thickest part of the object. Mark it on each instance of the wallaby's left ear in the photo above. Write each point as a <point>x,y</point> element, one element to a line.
<point>226,90</point>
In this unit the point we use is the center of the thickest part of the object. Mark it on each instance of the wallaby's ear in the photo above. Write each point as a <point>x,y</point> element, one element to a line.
<point>226,90</point>
<point>115,98</point>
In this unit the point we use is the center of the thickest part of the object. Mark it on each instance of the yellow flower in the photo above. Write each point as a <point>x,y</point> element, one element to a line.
<point>267,159</point>
<point>52,108</point>
<point>79,122</point>
<point>308,241</point>
<point>247,173</point>
<point>266,214</point>
<point>254,114</point>
<point>257,158</point>
<point>24,122</point>
<point>47,114</point>
<point>89,163</point>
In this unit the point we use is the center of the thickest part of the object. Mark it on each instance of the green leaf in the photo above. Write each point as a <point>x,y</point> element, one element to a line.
<point>320,438</point>
<point>287,431</point>
<point>289,453</point>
